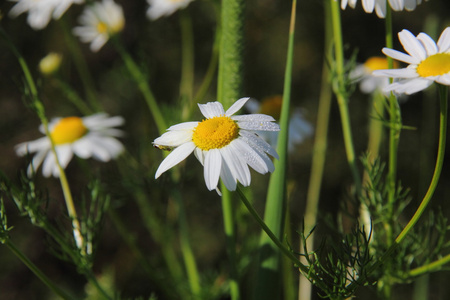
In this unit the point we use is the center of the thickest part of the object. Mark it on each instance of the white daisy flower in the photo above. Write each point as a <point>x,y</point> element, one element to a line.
<point>160,8</point>
<point>92,136</point>
<point>380,5</point>
<point>299,127</point>
<point>41,11</point>
<point>428,62</point>
<point>368,83</point>
<point>100,21</point>
<point>225,145</point>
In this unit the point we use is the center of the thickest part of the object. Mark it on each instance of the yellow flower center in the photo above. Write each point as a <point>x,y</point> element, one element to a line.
<point>102,27</point>
<point>377,63</point>
<point>272,106</point>
<point>215,133</point>
<point>68,130</point>
<point>434,65</point>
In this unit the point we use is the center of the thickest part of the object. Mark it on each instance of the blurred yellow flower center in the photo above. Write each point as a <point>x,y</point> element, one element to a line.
<point>376,63</point>
<point>215,133</point>
<point>434,65</point>
<point>272,106</point>
<point>101,27</point>
<point>68,130</point>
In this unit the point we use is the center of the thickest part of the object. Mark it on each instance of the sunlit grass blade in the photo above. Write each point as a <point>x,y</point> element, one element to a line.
<point>268,282</point>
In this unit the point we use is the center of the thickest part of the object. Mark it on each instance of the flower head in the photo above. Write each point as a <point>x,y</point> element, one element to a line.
<point>41,11</point>
<point>299,127</point>
<point>99,22</point>
<point>160,8</point>
<point>368,83</point>
<point>92,136</point>
<point>380,5</point>
<point>225,145</point>
<point>428,62</point>
<point>50,63</point>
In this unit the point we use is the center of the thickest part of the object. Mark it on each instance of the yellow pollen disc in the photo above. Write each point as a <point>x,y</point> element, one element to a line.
<point>378,63</point>
<point>215,133</point>
<point>101,27</point>
<point>272,106</point>
<point>435,65</point>
<point>68,130</point>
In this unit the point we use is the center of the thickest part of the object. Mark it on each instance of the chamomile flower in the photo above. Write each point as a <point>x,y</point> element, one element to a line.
<point>299,127</point>
<point>160,8</point>
<point>368,83</point>
<point>50,63</point>
<point>93,136</point>
<point>225,145</point>
<point>100,21</point>
<point>428,62</point>
<point>41,11</point>
<point>380,5</point>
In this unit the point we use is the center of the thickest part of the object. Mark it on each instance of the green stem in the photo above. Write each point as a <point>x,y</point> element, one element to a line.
<point>318,159</point>
<point>37,271</point>
<point>341,94</point>
<point>81,67</point>
<point>39,108</point>
<point>73,97</point>
<point>436,265</point>
<point>143,86</point>
<point>230,233</point>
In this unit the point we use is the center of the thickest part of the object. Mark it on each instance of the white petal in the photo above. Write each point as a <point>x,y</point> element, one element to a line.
<point>211,109</point>
<point>33,146</point>
<point>184,126</point>
<point>173,138</point>
<point>227,177</point>
<point>253,118</point>
<point>397,5</point>
<point>258,143</point>
<point>263,126</point>
<point>36,162</point>
<point>368,5</point>
<point>397,73</point>
<point>428,43</point>
<point>443,79</point>
<point>444,40</point>
<point>380,8</point>
<point>409,86</point>
<point>239,170</point>
<point>212,167</point>
<point>175,157</point>
<point>397,55</point>
<point>199,154</point>
<point>49,166</point>
<point>252,158</point>
<point>65,154</point>
<point>410,4</point>
<point>236,106</point>
<point>412,45</point>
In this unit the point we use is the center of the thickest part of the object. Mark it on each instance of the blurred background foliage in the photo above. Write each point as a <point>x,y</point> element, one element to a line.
<point>156,47</point>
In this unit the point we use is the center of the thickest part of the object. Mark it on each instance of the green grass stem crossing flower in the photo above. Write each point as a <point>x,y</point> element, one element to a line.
<point>428,61</point>
<point>225,145</point>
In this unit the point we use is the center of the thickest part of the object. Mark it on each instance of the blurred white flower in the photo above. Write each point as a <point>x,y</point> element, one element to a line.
<point>299,127</point>
<point>368,83</point>
<point>225,145</point>
<point>41,11</point>
<point>380,5</point>
<point>100,21</point>
<point>428,62</point>
<point>160,8</point>
<point>92,136</point>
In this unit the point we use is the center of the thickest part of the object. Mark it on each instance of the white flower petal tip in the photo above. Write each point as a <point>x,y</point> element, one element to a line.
<point>87,137</point>
<point>41,12</point>
<point>98,22</point>
<point>380,5</point>
<point>163,8</point>
<point>225,145</point>
<point>428,61</point>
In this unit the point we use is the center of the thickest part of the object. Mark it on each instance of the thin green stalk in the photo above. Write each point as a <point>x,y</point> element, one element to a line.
<point>443,119</point>
<point>37,271</point>
<point>268,285</point>
<point>230,233</point>
<point>93,280</point>
<point>73,97</point>
<point>143,86</point>
<point>81,67</point>
<point>229,89</point>
<point>39,108</point>
<point>436,265</point>
<point>341,94</point>
<point>318,160</point>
